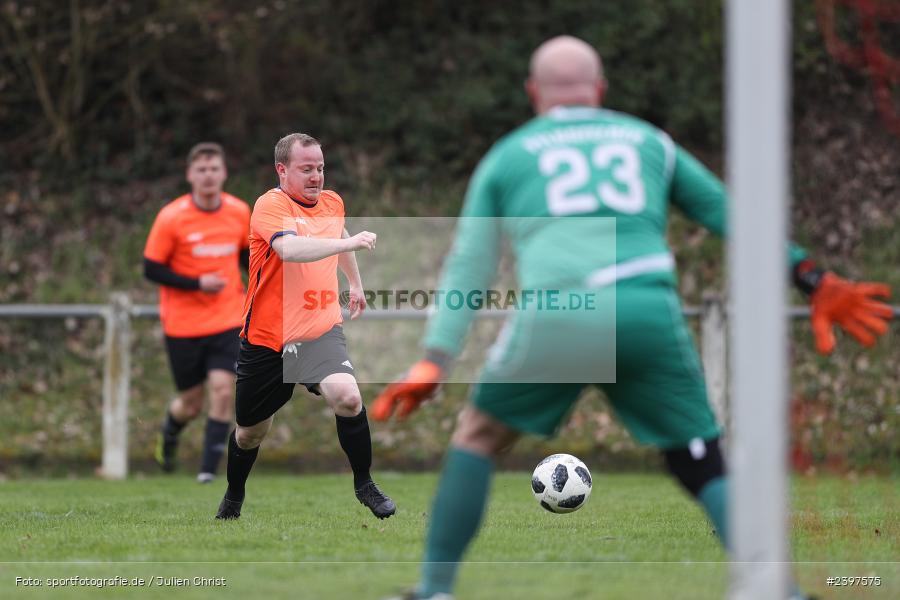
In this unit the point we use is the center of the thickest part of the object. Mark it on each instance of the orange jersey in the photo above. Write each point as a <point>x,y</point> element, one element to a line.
<point>289,302</point>
<point>192,241</point>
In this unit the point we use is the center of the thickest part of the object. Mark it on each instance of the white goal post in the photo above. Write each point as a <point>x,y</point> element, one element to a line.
<point>757,61</point>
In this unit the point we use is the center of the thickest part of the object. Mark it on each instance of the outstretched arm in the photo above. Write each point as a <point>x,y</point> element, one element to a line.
<point>294,248</point>
<point>702,197</point>
<point>834,301</point>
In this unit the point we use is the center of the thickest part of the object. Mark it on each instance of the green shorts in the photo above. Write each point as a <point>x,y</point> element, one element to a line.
<point>657,388</point>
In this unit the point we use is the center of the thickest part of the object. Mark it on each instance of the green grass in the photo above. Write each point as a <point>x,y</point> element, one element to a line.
<point>307,537</point>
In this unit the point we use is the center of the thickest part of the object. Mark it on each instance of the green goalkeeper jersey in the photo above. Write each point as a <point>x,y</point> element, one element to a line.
<point>612,175</point>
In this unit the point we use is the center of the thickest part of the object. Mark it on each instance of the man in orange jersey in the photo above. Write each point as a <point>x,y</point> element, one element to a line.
<point>292,321</point>
<point>193,252</point>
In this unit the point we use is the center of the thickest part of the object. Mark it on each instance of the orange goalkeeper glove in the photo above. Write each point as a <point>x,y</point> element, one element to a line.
<point>850,305</point>
<point>418,385</point>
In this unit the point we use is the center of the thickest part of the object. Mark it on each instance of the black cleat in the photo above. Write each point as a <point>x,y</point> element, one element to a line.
<point>229,509</point>
<point>165,452</point>
<point>375,500</point>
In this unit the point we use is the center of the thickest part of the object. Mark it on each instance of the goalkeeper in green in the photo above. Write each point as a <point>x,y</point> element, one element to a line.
<point>576,160</point>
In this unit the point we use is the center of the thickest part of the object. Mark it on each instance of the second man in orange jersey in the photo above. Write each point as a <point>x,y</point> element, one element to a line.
<point>193,252</point>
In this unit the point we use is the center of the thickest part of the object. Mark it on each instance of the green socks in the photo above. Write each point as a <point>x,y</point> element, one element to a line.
<point>714,498</point>
<point>455,517</point>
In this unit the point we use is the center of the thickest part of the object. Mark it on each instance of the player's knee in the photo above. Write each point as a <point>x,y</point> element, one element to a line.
<point>221,392</point>
<point>247,437</point>
<point>347,402</point>
<point>191,409</point>
<point>189,403</point>
<point>696,465</point>
<point>479,433</point>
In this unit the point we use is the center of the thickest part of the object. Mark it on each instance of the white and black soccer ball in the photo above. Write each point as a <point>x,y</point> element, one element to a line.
<point>561,483</point>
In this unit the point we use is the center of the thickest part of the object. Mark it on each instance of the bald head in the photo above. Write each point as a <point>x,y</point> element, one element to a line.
<point>565,71</point>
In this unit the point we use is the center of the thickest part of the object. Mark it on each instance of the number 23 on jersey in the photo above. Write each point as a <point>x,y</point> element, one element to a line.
<point>569,170</point>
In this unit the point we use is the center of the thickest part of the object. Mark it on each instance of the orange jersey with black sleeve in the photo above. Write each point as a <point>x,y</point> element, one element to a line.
<point>287,301</point>
<point>192,241</point>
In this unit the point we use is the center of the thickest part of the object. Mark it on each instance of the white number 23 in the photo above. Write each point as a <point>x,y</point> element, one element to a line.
<point>562,195</point>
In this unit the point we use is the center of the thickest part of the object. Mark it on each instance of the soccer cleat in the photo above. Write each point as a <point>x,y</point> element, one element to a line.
<point>375,500</point>
<point>229,509</point>
<point>205,477</point>
<point>165,452</point>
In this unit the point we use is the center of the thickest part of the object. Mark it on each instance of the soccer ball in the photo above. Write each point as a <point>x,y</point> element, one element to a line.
<point>561,483</point>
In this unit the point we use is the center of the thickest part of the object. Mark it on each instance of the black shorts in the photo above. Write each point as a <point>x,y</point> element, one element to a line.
<point>191,358</point>
<point>266,378</point>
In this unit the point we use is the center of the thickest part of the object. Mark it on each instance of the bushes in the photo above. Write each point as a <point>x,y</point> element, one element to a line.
<point>125,88</point>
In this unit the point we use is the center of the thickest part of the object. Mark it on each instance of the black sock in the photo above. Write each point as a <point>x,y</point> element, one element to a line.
<point>240,462</point>
<point>171,428</point>
<point>356,440</point>
<point>214,444</point>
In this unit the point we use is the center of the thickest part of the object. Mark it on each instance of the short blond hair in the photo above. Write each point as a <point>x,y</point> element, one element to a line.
<point>285,145</point>
<point>205,149</point>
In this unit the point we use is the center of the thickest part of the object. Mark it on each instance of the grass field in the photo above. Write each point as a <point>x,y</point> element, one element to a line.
<point>307,537</point>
